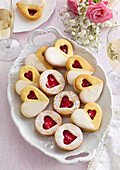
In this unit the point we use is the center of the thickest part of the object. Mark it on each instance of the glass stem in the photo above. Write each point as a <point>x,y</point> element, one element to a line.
<point>7,43</point>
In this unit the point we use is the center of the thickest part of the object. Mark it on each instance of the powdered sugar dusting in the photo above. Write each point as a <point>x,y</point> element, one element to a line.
<point>74,130</point>
<point>72,97</point>
<point>58,76</point>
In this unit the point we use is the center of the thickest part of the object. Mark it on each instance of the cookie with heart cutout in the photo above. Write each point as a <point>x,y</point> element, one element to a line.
<point>47,122</point>
<point>68,137</point>
<point>58,55</point>
<point>51,82</point>
<point>28,76</point>
<point>66,102</point>
<point>31,9</point>
<point>90,88</point>
<point>38,60</point>
<point>89,118</point>
<point>34,101</point>
<point>76,66</point>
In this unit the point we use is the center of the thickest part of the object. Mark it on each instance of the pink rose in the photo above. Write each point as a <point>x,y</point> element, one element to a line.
<point>99,12</point>
<point>73,6</point>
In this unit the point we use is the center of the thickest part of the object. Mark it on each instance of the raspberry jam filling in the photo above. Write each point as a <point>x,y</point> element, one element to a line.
<point>32,11</point>
<point>86,83</point>
<point>66,102</point>
<point>32,95</point>
<point>64,48</point>
<point>48,122</point>
<point>52,82</point>
<point>91,113</point>
<point>68,137</point>
<point>76,64</point>
<point>29,75</point>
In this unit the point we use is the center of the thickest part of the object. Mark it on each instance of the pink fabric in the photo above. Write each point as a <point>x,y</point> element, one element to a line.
<point>99,12</point>
<point>73,6</point>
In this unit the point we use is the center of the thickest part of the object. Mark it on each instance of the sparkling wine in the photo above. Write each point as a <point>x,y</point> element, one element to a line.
<point>113,51</point>
<point>6,23</point>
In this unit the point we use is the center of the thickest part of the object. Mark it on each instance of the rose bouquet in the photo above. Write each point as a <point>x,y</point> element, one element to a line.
<point>84,19</point>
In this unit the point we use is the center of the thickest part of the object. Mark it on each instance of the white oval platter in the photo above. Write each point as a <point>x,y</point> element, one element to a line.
<point>22,25</point>
<point>26,126</point>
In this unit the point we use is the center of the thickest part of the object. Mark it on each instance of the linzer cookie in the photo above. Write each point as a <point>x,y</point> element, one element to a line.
<point>28,76</point>
<point>68,137</point>
<point>51,82</point>
<point>38,61</point>
<point>88,118</point>
<point>34,101</point>
<point>90,88</point>
<point>47,122</point>
<point>76,66</point>
<point>58,55</point>
<point>31,9</point>
<point>66,102</point>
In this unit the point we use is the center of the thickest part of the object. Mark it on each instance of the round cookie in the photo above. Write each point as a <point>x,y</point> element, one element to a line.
<point>88,118</point>
<point>68,137</point>
<point>28,76</point>
<point>34,101</point>
<point>38,60</point>
<point>66,102</point>
<point>47,122</point>
<point>51,82</point>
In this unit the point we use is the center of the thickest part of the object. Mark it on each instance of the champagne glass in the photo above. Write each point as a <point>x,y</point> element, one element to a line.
<point>113,51</point>
<point>9,47</point>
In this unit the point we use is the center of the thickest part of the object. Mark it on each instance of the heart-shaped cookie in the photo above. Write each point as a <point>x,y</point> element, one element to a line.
<point>68,136</point>
<point>31,12</point>
<point>34,101</point>
<point>47,122</point>
<point>89,118</point>
<point>76,66</point>
<point>90,87</point>
<point>28,76</point>
<point>51,82</point>
<point>58,55</point>
<point>38,61</point>
<point>66,102</point>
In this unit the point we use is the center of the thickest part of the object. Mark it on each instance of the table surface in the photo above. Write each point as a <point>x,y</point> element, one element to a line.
<point>15,152</point>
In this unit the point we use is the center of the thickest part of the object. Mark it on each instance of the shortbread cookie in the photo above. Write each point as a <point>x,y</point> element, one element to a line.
<point>58,55</point>
<point>76,66</point>
<point>68,137</point>
<point>66,102</point>
<point>28,76</point>
<point>64,47</point>
<point>38,61</point>
<point>90,88</point>
<point>34,101</point>
<point>31,10</point>
<point>88,118</point>
<point>47,122</point>
<point>51,82</point>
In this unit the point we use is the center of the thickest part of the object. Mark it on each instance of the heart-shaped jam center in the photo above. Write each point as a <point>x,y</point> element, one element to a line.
<point>32,95</point>
<point>68,137</point>
<point>91,113</point>
<point>66,102</point>
<point>29,75</point>
<point>32,11</point>
<point>76,64</point>
<point>52,82</point>
<point>64,48</point>
<point>86,83</point>
<point>48,122</point>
